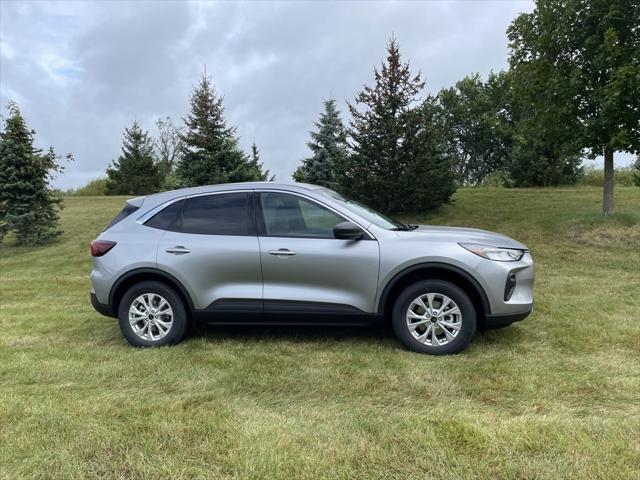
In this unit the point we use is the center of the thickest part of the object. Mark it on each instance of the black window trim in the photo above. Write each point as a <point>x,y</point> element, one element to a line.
<point>120,217</point>
<point>258,217</point>
<point>262,231</point>
<point>176,218</point>
<point>252,212</point>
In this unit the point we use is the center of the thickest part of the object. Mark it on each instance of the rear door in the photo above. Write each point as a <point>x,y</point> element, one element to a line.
<point>305,268</point>
<point>212,248</point>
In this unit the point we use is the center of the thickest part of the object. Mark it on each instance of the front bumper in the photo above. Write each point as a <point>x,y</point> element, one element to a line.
<point>101,308</point>
<point>500,321</point>
<point>505,301</point>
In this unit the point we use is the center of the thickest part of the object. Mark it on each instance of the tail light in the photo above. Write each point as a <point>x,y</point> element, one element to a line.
<point>100,247</point>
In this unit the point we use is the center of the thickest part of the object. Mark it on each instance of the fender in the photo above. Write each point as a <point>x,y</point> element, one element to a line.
<point>443,266</point>
<point>151,271</point>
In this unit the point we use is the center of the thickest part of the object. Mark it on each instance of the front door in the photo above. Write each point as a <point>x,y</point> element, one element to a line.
<point>305,268</point>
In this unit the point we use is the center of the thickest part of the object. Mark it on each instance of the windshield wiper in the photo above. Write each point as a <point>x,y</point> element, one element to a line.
<point>405,227</point>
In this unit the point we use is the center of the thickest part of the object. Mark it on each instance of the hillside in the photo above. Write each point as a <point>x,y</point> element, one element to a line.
<point>555,396</point>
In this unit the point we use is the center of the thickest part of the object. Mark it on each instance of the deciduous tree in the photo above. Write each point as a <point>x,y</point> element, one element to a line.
<point>582,55</point>
<point>168,146</point>
<point>471,116</point>
<point>636,171</point>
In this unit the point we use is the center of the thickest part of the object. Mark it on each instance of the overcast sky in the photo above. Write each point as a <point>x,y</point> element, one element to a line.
<point>82,72</point>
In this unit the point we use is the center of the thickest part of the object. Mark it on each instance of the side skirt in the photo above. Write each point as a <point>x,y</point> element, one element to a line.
<point>282,312</point>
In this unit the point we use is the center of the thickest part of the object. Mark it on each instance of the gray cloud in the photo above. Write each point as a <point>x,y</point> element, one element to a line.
<point>81,72</point>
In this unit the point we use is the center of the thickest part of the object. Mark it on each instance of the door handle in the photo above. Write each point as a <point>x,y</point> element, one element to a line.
<point>179,250</point>
<point>282,252</point>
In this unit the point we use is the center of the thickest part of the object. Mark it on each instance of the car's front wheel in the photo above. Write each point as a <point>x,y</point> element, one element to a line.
<point>434,317</point>
<point>151,314</point>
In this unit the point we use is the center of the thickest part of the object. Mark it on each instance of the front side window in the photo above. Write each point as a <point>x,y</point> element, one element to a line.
<point>219,214</point>
<point>288,215</point>
<point>363,211</point>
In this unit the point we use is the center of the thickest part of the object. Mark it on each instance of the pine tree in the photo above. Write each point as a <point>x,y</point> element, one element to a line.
<point>328,147</point>
<point>134,172</point>
<point>211,152</point>
<point>28,205</point>
<point>397,163</point>
<point>255,166</point>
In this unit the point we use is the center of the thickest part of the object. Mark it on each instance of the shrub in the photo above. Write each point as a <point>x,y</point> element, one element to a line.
<point>594,177</point>
<point>96,187</point>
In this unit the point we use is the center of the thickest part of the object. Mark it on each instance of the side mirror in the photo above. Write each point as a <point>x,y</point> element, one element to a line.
<point>347,231</point>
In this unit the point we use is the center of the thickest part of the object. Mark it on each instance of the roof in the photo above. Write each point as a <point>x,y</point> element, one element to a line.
<point>158,198</point>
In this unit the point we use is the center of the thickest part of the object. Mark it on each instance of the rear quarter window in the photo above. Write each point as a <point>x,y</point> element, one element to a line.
<point>124,213</point>
<point>167,218</point>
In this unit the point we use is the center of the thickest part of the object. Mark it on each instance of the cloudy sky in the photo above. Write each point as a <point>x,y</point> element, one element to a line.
<point>81,72</point>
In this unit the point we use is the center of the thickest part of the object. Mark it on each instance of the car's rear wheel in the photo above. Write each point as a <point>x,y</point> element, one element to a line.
<point>151,314</point>
<point>434,317</point>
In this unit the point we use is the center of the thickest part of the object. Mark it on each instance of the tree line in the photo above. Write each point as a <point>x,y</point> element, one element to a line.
<point>572,89</point>
<point>204,151</point>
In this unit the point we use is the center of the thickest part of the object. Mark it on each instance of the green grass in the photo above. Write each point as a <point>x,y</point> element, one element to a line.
<point>555,396</point>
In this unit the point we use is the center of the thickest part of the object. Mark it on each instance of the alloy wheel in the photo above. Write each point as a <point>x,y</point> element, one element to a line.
<point>434,319</point>
<point>150,316</point>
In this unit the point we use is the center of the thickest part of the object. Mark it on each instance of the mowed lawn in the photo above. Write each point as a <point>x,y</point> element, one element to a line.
<point>555,396</point>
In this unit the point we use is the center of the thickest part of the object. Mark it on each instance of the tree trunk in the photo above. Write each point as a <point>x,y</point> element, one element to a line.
<point>607,198</point>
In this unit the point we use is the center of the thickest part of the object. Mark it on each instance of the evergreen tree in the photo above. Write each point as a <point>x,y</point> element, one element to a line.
<point>134,172</point>
<point>255,166</point>
<point>397,163</point>
<point>211,153</point>
<point>28,205</point>
<point>328,147</point>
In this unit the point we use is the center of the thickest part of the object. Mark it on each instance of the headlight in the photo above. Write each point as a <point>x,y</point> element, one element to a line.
<point>494,253</point>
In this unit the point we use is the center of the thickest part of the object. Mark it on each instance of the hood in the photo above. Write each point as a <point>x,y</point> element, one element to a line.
<point>464,235</point>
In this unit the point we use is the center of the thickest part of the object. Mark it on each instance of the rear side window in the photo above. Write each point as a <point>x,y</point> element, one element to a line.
<point>167,218</point>
<point>124,213</point>
<point>219,214</point>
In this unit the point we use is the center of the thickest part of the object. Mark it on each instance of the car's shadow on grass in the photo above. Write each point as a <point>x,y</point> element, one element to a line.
<point>307,333</point>
<point>382,333</point>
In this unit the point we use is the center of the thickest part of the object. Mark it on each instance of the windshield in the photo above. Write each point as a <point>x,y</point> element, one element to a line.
<point>363,211</point>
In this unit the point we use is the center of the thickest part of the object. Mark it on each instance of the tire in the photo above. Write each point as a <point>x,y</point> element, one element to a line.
<point>456,329</point>
<point>145,293</point>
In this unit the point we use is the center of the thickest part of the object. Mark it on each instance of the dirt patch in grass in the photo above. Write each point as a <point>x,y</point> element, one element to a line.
<point>624,238</point>
<point>620,232</point>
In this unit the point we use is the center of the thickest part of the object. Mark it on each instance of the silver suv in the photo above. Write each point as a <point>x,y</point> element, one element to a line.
<point>269,253</point>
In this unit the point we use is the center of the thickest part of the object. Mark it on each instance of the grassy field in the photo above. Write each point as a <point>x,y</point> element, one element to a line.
<point>555,396</point>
